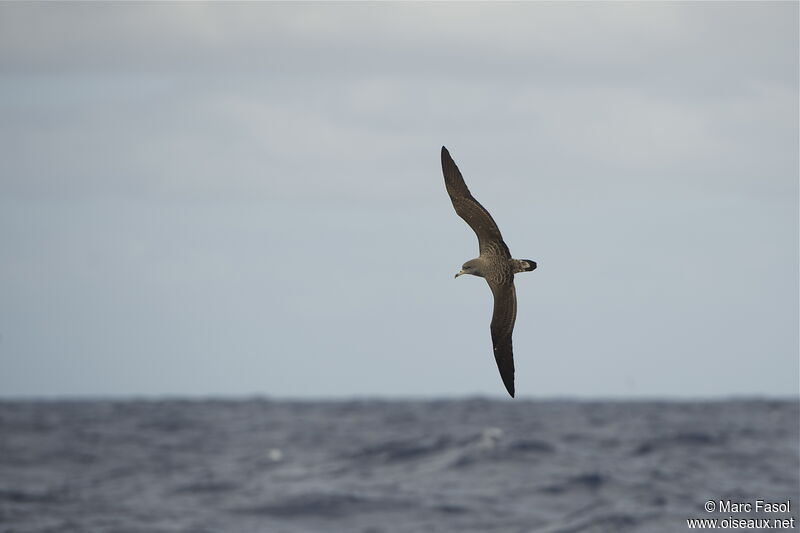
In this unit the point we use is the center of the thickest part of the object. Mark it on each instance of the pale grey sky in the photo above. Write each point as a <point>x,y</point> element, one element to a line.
<point>202,199</point>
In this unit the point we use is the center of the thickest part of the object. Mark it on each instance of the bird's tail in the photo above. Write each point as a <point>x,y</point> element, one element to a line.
<point>524,265</point>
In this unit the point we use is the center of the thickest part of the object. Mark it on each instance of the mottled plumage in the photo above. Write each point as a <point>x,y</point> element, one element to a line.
<point>494,264</point>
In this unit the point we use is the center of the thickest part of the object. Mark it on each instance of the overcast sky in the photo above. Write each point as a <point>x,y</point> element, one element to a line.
<point>206,199</point>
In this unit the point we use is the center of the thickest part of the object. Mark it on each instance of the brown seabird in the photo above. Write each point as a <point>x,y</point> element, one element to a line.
<point>494,264</point>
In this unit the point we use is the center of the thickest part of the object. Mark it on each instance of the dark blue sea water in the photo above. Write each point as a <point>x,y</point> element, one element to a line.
<point>391,466</point>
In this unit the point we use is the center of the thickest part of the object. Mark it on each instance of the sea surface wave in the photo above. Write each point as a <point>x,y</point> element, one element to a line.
<point>372,466</point>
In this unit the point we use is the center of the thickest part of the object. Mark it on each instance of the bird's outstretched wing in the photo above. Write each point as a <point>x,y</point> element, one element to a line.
<point>489,239</point>
<point>503,317</point>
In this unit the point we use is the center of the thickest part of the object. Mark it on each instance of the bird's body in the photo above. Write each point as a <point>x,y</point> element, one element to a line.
<point>494,264</point>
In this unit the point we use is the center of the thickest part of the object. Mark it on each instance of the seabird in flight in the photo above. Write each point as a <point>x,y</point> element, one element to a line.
<point>494,264</point>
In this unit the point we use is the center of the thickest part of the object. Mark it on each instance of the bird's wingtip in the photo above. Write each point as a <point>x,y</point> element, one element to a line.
<point>509,383</point>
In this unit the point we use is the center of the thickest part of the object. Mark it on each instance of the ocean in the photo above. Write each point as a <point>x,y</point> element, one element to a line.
<point>375,466</point>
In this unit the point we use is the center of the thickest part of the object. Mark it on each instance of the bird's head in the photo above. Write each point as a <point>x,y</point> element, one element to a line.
<point>471,267</point>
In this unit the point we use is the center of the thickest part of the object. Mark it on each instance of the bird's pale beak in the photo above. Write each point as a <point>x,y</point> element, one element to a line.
<point>459,273</point>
